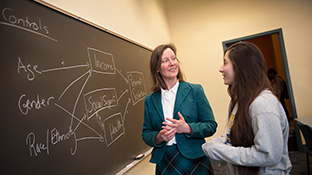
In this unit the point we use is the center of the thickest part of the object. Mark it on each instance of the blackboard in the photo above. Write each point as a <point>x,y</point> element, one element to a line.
<point>72,94</point>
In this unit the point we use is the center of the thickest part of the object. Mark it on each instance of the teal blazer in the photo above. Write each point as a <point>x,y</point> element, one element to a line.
<point>192,103</point>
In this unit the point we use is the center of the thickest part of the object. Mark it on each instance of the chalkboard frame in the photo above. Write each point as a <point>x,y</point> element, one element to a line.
<point>67,14</point>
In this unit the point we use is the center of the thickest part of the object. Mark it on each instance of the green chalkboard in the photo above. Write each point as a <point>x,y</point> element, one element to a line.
<point>72,94</point>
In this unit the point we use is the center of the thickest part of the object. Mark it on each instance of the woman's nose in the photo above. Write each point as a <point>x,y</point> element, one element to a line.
<point>171,62</point>
<point>221,69</point>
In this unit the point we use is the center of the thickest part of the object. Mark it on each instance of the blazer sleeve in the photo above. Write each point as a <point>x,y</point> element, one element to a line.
<point>206,124</point>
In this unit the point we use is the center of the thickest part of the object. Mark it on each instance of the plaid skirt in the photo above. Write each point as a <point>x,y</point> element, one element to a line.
<point>174,163</point>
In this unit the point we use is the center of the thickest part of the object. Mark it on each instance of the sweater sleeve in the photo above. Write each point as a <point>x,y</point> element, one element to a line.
<point>267,150</point>
<point>268,142</point>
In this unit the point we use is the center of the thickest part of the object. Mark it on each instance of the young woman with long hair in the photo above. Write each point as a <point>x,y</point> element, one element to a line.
<point>256,139</point>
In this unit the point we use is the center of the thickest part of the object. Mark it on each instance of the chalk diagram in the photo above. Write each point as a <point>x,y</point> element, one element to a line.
<point>95,102</point>
<point>110,126</point>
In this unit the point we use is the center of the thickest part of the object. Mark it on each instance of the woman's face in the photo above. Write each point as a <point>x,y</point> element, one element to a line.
<point>227,69</point>
<point>169,67</point>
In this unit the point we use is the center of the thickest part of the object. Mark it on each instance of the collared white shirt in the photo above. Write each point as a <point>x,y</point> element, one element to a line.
<point>168,98</point>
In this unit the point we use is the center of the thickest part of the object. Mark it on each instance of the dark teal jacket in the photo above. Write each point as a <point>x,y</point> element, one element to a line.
<point>192,103</point>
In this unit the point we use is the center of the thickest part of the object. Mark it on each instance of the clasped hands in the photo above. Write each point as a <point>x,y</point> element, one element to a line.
<point>172,127</point>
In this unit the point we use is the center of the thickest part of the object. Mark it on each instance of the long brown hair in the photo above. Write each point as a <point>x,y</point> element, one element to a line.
<point>249,81</point>
<point>155,63</point>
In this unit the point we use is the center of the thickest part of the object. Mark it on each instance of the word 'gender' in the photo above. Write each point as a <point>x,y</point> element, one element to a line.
<point>24,104</point>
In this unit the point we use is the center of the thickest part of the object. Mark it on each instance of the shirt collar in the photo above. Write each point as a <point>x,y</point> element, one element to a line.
<point>174,89</point>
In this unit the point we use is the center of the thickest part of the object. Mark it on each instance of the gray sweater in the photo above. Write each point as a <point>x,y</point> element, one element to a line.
<point>270,151</point>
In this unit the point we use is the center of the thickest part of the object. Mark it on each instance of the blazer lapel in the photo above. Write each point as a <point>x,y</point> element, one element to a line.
<point>156,99</point>
<point>183,90</point>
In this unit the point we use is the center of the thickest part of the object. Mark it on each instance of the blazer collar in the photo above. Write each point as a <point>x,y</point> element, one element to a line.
<point>156,99</point>
<point>182,92</point>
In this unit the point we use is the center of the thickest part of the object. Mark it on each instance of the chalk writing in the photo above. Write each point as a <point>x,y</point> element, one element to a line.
<point>57,137</point>
<point>24,104</point>
<point>100,99</point>
<point>114,128</point>
<point>137,86</point>
<point>29,69</point>
<point>95,102</point>
<point>24,23</point>
<point>36,148</point>
<point>101,62</point>
<point>137,94</point>
<point>73,92</point>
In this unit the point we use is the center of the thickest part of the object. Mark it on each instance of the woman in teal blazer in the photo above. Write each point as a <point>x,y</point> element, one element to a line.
<point>176,128</point>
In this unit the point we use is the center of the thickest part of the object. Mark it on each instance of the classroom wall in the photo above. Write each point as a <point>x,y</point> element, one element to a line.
<point>198,28</point>
<point>138,20</point>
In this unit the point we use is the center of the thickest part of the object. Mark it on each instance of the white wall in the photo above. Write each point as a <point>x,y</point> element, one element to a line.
<point>139,20</point>
<point>198,27</point>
